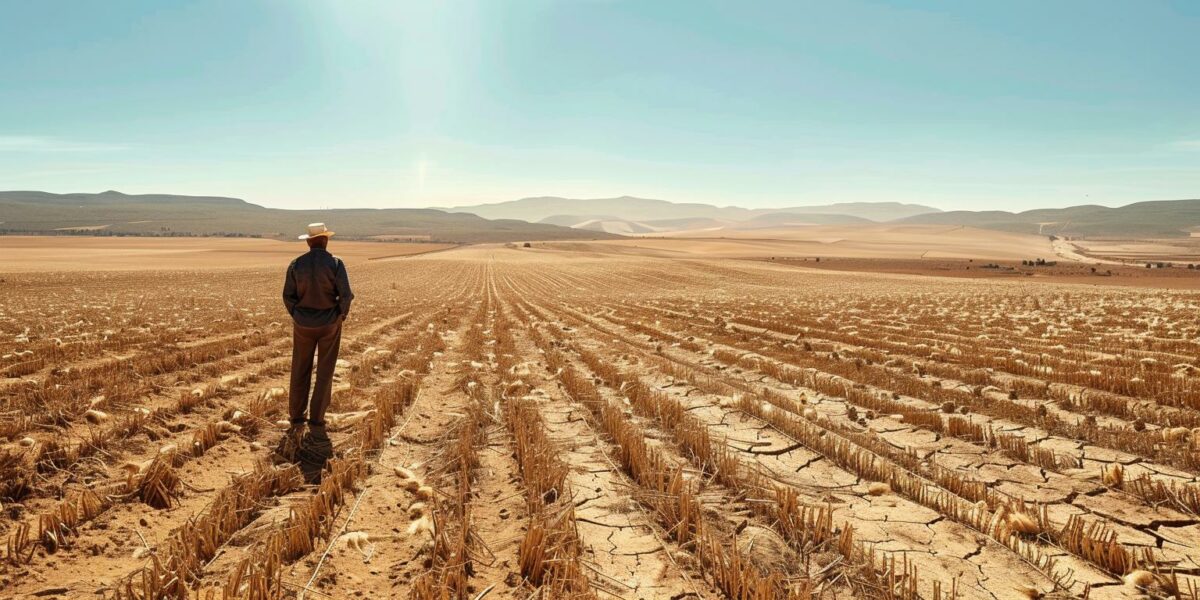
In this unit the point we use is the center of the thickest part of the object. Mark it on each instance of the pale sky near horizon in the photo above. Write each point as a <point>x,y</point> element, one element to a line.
<point>303,104</point>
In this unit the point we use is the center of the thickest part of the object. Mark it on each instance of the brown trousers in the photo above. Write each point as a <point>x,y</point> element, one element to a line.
<point>325,341</point>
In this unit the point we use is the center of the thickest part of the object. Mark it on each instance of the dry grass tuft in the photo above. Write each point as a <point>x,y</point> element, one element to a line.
<point>157,484</point>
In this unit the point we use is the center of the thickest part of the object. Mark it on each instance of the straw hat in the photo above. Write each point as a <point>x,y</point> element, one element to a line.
<point>316,230</point>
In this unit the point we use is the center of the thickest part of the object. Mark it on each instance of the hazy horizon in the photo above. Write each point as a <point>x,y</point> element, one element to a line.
<point>718,204</point>
<point>997,106</point>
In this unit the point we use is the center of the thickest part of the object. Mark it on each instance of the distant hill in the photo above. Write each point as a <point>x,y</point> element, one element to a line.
<point>687,223</point>
<point>628,208</point>
<point>114,213</point>
<point>1160,218</point>
<point>573,220</point>
<point>629,227</point>
<point>549,218</point>
<point>616,226</point>
<point>625,207</point>
<point>639,216</point>
<point>620,226</point>
<point>787,219</point>
<point>880,212</point>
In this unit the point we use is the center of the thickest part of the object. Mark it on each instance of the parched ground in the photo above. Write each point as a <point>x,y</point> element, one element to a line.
<point>1176,277</point>
<point>885,240</point>
<point>70,253</point>
<point>565,422</point>
<point>1138,251</point>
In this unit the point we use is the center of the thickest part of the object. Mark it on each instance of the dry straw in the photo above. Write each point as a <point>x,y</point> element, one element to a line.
<point>673,499</point>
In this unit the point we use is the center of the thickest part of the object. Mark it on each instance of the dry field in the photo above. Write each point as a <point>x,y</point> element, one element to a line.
<point>1063,271</point>
<point>39,254</point>
<point>1182,250</point>
<point>550,423</point>
<point>853,241</point>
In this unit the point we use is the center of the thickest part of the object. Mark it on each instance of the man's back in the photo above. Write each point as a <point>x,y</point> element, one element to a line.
<point>317,289</point>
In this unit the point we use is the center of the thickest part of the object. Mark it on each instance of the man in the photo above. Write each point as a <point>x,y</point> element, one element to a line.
<point>317,295</point>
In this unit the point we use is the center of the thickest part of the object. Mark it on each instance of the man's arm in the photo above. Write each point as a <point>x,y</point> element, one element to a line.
<point>290,297</point>
<point>342,282</point>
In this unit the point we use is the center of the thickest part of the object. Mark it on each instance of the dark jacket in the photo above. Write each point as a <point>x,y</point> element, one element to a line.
<point>317,289</point>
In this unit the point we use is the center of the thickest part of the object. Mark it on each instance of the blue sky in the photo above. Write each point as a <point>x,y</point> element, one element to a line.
<point>294,103</point>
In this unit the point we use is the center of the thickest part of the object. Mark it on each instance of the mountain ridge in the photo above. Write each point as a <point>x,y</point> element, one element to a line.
<point>1149,218</point>
<point>632,208</point>
<point>115,213</point>
<point>631,215</point>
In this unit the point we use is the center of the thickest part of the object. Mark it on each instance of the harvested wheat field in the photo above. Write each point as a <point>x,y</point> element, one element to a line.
<point>35,254</point>
<point>857,241</point>
<point>546,423</point>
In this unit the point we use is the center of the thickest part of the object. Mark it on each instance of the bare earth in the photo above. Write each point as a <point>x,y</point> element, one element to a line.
<point>32,254</point>
<point>859,241</point>
<point>598,421</point>
<point>1103,274</point>
<point>1176,249</point>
